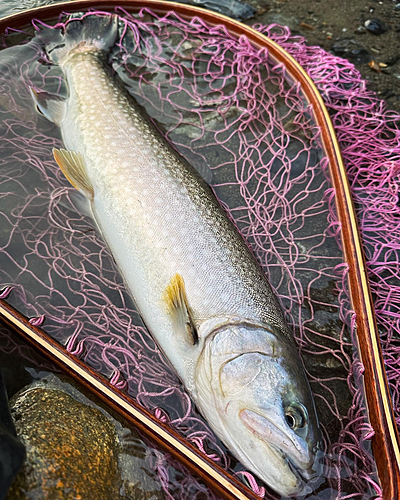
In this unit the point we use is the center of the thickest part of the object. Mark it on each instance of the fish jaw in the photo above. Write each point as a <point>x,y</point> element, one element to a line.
<point>285,450</point>
<point>277,435</point>
<point>249,381</point>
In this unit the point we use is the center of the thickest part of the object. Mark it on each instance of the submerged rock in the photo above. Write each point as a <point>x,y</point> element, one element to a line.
<point>71,448</point>
<point>74,448</point>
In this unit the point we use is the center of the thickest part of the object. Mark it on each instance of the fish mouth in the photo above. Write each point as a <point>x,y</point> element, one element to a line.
<point>270,433</point>
<point>302,476</point>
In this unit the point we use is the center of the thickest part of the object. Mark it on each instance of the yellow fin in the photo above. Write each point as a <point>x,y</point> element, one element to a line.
<point>178,306</point>
<point>73,167</point>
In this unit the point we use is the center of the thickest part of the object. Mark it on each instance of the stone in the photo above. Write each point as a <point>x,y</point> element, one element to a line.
<point>376,26</point>
<point>76,449</point>
<point>351,50</point>
<point>71,448</point>
<point>233,8</point>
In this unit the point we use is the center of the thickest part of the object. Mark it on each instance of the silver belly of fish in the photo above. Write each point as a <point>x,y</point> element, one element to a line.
<point>158,217</point>
<point>197,286</point>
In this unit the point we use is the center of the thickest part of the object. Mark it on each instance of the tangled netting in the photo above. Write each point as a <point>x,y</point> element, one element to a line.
<point>228,107</point>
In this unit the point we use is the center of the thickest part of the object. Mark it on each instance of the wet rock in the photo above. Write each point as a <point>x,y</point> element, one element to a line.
<point>76,447</point>
<point>351,50</point>
<point>393,60</point>
<point>361,30</point>
<point>134,489</point>
<point>275,17</point>
<point>12,451</point>
<point>233,8</point>
<point>376,26</point>
<point>71,448</point>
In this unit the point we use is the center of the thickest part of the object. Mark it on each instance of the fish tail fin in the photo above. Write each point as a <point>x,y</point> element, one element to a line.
<point>91,32</point>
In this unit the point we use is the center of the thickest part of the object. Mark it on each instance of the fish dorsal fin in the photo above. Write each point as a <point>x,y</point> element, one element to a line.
<point>178,306</point>
<point>73,167</point>
<point>51,106</point>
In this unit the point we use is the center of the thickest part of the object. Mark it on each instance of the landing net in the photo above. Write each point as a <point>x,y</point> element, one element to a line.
<point>227,106</point>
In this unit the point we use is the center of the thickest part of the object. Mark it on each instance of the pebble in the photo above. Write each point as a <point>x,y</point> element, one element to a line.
<point>352,50</point>
<point>376,26</point>
<point>393,60</point>
<point>375,66</point>
<point>360,30</point>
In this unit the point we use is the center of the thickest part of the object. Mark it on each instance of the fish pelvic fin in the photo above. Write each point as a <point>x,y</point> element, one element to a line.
<point>88,33</point>
<point>177,303</point>
<point>73,166</point>
<point>53,107</point>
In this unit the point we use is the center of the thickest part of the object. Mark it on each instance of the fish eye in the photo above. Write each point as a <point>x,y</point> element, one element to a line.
<point>296,416</point>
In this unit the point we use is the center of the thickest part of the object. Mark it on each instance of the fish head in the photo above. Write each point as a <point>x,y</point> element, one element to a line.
<point>252,388</point>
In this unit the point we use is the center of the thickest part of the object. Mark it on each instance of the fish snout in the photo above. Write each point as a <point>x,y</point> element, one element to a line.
<point>272,430</point>
<point>300,456</point>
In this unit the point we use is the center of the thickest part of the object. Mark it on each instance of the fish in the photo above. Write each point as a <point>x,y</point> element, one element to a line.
<point>199,289</point>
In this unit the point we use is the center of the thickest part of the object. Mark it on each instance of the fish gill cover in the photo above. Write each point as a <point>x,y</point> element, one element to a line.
<point>226,105</point>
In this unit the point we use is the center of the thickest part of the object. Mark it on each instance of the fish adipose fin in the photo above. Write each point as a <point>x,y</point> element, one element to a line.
<point>53,107</point>
<point>73,167</point>
<point>178,306</point>
<point>88,33</point>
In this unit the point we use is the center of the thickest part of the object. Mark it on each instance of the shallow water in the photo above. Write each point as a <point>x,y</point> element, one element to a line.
<point>29,378</point>
<point>9,7</point>
<point>257,136</point>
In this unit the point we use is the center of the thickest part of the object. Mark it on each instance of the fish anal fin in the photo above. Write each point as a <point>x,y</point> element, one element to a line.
<point>73,167</point>
<point>51,106</point>
<point>179,309</point>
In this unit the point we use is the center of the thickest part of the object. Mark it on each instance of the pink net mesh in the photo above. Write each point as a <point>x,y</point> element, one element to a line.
<point>229,106</point>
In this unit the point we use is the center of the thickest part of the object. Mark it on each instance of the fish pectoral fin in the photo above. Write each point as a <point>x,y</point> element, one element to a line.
<point>51,106</point>
<point>73,167</point>
<point>80,203</point>
<point>178,306</point>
